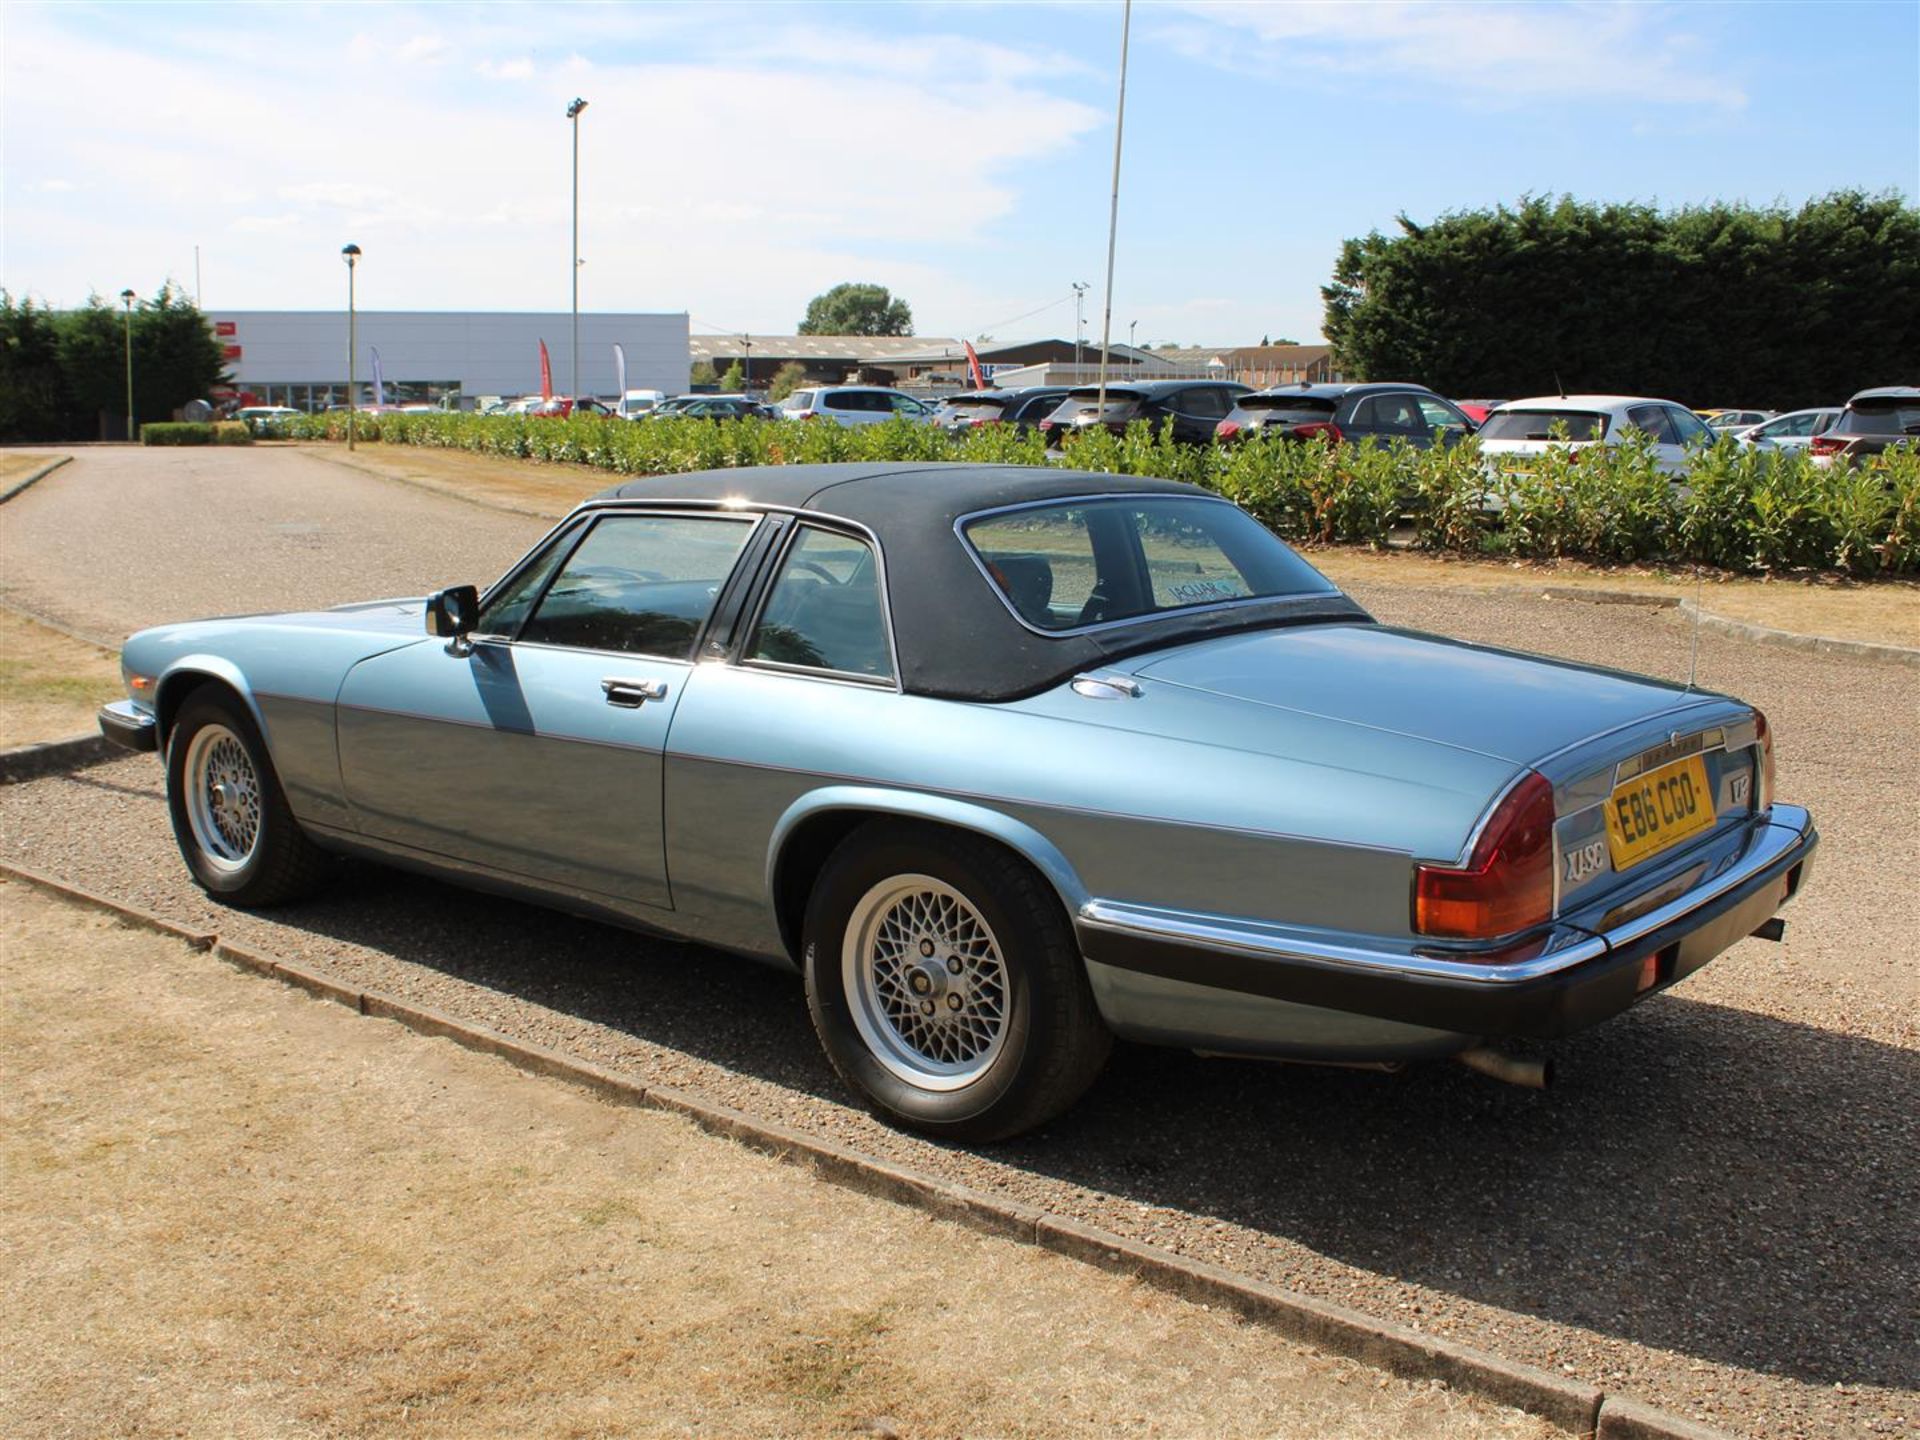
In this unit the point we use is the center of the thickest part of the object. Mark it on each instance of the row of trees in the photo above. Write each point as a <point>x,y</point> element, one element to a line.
<point>63,373</point>
<point>1710,305</point>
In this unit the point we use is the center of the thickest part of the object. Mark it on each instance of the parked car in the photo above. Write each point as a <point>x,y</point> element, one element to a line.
<point>1478,410</point>
<point>851,405</point>
<point>716,407</point>
<point>1021,406</point>
<point>1874,422</point>
<point>1004,760</point>
<point>1381,411</point>
<point>1196,407</point>
<point>1731,420</point>
<point>1528,427</point>
<point>635,403</point>
<point>1791,431</point>
<point>258,417</point>
<point>560,407</point>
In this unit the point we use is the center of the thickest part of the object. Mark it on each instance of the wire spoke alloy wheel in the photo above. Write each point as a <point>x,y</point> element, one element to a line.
<point>222,798</point>
<point>928,986</point>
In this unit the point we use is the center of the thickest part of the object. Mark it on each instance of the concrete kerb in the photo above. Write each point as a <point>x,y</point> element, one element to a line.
<point>1581,1410</point>
<point>34,478</point>
<point>52,757</point>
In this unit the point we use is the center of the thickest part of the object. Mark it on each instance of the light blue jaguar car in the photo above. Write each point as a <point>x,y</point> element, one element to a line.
<point>1007,762</point>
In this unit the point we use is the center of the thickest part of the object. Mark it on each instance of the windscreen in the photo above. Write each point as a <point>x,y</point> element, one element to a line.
<point>1544,425</point>
<point>1094,562</point>
<point>1288,409</point>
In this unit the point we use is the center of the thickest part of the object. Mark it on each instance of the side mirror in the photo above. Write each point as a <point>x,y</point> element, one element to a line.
<point>453,612</point>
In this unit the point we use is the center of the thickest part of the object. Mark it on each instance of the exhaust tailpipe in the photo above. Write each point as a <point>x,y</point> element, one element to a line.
<point>1532,1074</point>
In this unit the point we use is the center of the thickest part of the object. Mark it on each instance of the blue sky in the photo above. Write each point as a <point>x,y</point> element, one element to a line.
<point>739,158</point>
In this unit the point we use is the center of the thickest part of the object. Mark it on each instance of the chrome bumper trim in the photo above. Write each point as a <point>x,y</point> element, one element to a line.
<point>1785,830</point>
<point>129,727</point>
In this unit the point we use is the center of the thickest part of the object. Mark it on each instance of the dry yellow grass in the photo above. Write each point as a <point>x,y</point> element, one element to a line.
<point>18,464</point>
<point>1880,612</point>
<point>231,1210</point>
<point>50,684</point>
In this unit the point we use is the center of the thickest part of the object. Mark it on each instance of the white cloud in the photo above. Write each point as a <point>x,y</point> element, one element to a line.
<point>1498,53</point>
<point>520,69</point>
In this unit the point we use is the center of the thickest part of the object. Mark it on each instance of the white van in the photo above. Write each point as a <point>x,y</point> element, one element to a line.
<point>635,403</point>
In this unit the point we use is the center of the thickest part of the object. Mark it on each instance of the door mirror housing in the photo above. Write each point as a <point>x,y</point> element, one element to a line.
<point>453,612</point>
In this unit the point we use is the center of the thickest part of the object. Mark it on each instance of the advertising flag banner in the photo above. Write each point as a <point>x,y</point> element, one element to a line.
<point>379,386</point>
<point>974,372</point>
<point>546,373</point>
<point>619,374</point>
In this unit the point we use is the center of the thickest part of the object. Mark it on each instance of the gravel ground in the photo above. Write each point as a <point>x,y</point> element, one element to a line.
<point>1713,1211</point>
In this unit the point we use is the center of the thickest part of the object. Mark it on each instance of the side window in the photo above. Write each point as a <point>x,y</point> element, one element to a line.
<point>906,405</point>
<point>1687,429</point>
<point>1651,420</point>
<point>1204,404</point>
<point>824,610</point>
<point>640,584</point>
<point>509,606</point>
<point>1436,414</point>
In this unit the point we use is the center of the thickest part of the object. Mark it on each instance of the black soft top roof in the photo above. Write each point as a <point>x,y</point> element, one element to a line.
<point>957,638</point>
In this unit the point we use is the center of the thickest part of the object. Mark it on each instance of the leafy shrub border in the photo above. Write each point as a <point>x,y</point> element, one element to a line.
<point>1736,508</point>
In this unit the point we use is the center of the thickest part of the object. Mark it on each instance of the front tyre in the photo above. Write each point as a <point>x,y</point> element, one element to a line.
<point>945,985</point>
<point>230,816</point>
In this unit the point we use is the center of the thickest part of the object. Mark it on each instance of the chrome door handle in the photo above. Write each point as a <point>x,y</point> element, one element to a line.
<point>630,693</point>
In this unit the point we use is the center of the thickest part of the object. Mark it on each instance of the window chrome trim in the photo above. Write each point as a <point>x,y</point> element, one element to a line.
<point>1124,497</point>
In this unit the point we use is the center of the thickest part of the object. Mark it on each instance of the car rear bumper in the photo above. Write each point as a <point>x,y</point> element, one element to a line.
<point>1584,976</point>
<point>129,727</point>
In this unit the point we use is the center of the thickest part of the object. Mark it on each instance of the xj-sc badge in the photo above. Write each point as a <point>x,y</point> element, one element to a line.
<point>1584,863</point>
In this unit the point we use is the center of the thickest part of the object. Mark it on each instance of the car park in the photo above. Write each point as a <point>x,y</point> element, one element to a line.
<point>1873,422</point>
<point>1524,428</point>
<point>1731,420</point>
<point>1021,406</point>
<point>852,405</point>
<point>1792,431</point>
<point>1195,408</point>
<point>716,407</point>
<point>1381,411</point>
<point>258,418</point>
<point>1006,761</point>
<point>560,407</point>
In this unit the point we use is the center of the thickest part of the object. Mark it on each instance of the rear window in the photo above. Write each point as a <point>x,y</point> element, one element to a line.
<point>1544,425</point>
<point>1292,409</point>
<point>798,400</point>
<point>1880,417</point>
<point>985,406</point>
<point>1087,402</point>
<point>1093,562</point>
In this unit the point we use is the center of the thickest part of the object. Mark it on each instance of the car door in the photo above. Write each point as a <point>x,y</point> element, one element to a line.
<point>533,749</point>
<point>1656,423</point>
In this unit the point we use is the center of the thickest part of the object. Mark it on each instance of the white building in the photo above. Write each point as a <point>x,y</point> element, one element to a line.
<point>299,357</point>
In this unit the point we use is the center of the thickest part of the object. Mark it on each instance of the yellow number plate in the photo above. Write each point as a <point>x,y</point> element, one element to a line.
<point>1657,810</point>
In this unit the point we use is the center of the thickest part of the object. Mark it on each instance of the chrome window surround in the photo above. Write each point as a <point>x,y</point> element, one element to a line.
<point>1133,497</point>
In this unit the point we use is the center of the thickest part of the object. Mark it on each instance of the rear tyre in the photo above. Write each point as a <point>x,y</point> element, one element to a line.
<point>230,816</point>
<point>945,985</point>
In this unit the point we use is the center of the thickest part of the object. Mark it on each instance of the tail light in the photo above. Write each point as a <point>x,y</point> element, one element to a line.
<point>1763,737</point>
<point>1227,429</point>
<point>1046,424</point>
<point>1506,884</point>
<point>1826,444</point>
<point>1325,429</point>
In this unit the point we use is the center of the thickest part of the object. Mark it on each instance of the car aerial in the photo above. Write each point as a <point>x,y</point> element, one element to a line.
<point>1381,411</point>
<point>1006,761</point>
<point>1792,431</point>
<point>1195,407</point>
<point>852,405</point>
<point>1874,422</point>
<point>1522,428</point>
<point>1021,406</point>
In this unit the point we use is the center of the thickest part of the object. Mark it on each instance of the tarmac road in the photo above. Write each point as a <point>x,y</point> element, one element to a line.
<point>1712,1212</point>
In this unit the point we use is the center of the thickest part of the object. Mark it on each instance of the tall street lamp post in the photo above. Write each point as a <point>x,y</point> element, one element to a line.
<point>573,114</point>
<point>350,253</point>
<point>746,371</point>
<point>126,299</point>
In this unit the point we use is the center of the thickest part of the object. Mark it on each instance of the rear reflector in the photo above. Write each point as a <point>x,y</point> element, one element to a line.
<point>1507,883</point>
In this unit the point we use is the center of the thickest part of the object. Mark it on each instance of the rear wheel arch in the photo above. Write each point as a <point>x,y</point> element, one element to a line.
<point>814,828</point>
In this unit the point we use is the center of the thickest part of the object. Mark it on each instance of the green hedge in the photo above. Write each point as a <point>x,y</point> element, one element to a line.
<point>196,432</point>
<point>1741,509</point>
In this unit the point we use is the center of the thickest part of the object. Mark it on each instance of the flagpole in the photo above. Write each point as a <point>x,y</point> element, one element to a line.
<point>1113,214</point>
